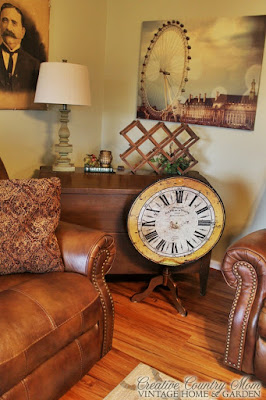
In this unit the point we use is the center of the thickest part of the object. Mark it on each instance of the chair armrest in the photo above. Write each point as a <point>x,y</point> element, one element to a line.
<point>84,250</point>
<point>91,253</point>
<point>244,268</point>
<point>252,249</point>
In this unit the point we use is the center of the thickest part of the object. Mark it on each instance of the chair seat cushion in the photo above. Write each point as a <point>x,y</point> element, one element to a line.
<point>39,315</point>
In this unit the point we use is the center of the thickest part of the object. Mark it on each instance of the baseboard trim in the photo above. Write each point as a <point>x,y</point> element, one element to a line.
<point>215,265</point>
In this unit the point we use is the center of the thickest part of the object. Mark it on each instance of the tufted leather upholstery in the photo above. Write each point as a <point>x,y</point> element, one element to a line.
<point>244,269</point>
<point>55,326</point>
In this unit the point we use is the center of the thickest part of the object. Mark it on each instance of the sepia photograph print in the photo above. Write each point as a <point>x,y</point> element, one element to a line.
<point>24,28</point>
<point>201,71</point>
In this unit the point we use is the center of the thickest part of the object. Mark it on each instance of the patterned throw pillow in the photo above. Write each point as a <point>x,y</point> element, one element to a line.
<point>29,215</point>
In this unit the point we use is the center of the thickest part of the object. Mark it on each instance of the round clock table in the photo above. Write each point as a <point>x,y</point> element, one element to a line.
<point>175,222</point>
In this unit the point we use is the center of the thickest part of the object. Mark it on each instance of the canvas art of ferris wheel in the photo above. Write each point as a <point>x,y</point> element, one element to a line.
<point>164,72</point>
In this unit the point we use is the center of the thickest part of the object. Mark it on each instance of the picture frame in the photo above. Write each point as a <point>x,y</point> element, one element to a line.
<point>17,90</point>
<point>201,71</point>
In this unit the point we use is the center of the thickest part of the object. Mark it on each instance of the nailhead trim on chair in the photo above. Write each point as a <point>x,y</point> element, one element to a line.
<point>96,285</point>
<point>247,311</point>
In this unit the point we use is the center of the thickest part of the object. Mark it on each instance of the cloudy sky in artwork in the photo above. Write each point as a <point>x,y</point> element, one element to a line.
<point>226,53</point>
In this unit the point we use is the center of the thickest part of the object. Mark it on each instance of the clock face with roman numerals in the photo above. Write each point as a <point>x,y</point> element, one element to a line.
<point>176,220</point>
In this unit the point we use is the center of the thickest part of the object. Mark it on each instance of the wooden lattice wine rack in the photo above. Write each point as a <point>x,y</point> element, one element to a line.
<point>181,149</point>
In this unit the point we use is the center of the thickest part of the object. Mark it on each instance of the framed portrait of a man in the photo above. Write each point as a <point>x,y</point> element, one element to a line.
<point>24,29</point>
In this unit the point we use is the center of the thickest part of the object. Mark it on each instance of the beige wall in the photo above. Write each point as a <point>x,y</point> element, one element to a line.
<point>105,36</point>
<point>232,160</point>
<point>77,33</point>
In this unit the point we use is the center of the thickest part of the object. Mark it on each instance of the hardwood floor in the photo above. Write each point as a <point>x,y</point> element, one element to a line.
<point>152,332</point>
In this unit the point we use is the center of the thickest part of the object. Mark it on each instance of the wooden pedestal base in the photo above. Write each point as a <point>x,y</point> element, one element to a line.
<point>166,280</point>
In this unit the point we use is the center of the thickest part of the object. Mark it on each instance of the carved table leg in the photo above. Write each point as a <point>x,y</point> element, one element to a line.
<point>177,302</point>
<point>156,281</point>
<point>167,281</point>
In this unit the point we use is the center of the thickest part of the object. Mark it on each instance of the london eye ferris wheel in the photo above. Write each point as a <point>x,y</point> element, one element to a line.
<point>164,71</point>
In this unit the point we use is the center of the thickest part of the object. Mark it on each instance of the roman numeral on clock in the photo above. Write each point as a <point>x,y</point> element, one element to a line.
<point>202,210</point>
<point>160,245</point>
<point>199,235</point>
<point>151,209</point>
<point>192,201</point>
<point>151,236</point>
<point>204,222</point>
<point>148,223</point>
<point>190,245</point>
<point>174,248</point>
<point>179,196</point>
<point>164,200</point>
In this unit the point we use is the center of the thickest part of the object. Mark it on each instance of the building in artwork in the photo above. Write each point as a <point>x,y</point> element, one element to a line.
<point>224,110</point>
<point>227,110</point>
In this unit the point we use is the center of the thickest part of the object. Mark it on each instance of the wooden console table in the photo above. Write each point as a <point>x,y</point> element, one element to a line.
<point>102,201</point>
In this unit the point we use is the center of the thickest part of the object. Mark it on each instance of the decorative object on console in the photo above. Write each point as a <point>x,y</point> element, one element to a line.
<point>174,222</point>
<point>160,146</point>
<point>105,158</point>
<point>63,83</point>
<point>98,169</point>
<point>91,160</point>
<point>100,164</point>
<point>172,167</point>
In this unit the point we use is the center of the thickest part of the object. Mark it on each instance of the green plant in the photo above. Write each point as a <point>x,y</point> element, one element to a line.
<point>171,167</point>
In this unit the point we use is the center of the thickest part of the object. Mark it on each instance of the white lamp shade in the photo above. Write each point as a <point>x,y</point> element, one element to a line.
<point>63,83</point>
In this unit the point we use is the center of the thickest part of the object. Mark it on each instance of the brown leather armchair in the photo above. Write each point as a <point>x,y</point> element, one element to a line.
<point>244,269</point>
<point>55,326</point>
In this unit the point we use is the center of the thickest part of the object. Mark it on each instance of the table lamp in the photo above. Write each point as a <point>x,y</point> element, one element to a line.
<point>66,84</point>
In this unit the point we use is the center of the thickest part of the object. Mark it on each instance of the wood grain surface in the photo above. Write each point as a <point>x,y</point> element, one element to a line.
<point>153,332</point>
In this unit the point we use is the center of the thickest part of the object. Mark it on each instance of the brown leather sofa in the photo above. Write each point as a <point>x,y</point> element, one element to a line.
<point>55,326</point>
<point>244,269</point>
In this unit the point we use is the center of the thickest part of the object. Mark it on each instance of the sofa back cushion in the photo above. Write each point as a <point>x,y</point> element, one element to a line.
<point>29,215</point>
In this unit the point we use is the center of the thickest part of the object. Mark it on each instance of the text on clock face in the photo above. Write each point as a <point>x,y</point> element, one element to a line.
<point>176,221</point>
